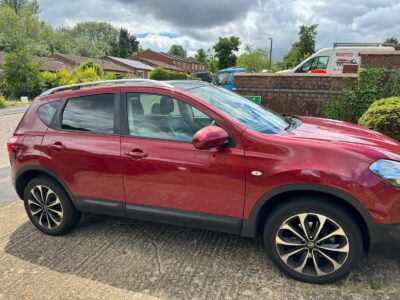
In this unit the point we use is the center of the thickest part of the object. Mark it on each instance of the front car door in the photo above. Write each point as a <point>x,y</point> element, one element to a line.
<point>166,178</point>
<point>82,146</point>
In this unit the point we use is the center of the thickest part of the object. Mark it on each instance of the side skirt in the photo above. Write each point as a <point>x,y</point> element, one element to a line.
<point>161,215</point>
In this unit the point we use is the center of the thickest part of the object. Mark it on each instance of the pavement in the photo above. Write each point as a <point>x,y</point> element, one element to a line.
<point>115,258</point>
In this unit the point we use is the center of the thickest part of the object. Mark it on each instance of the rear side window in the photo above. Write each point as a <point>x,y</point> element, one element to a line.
<point>46,111</point>
<point>90,114</point>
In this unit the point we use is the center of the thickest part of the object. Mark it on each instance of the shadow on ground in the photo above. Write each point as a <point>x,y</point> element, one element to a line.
<point>179,262</point>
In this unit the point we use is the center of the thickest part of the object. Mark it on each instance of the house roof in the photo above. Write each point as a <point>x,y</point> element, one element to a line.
<point>45,63</point>
<point>161,64</point>
<point>74,60</point>
<point>185,59</point>
<point>131,63</point>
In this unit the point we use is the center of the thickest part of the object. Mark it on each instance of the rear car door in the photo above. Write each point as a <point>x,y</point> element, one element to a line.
<point>166,178</point>
<point>82,146</point>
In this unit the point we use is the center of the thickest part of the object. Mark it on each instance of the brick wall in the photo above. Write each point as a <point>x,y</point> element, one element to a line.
<point>379,59</point>
<point>297,94</point>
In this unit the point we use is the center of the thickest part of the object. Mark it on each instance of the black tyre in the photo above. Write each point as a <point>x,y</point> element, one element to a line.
<point>312,240</point>
<point>49,207</point>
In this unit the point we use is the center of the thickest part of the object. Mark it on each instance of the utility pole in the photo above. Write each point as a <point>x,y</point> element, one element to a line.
<point>270,54</point>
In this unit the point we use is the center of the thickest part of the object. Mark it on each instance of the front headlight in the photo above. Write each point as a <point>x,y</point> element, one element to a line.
<point>389,170</point>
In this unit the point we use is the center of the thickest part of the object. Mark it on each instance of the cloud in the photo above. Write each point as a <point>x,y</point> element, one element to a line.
<point>198,24</point>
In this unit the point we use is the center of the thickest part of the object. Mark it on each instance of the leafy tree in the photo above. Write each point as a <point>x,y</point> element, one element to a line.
<point>26,31</point>
<point>91,65</point>
<point>391,41</point>
<point>224,49</point>
<point>211,62</point>
<point>255,60</point>
<point>127,44</point>
<point>31,6</point>
<point>201,55</point>
<point>302,48</point>
<point>177,50</point>
<point>91,39</point>
<point>21,75</point>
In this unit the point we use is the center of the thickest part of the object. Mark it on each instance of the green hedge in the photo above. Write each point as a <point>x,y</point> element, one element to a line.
<point>383,116</point>
<point>3,102</point>
<point>163,74</point>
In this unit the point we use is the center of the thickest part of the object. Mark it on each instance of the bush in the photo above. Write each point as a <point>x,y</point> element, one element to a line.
<point>21,76</point>
<point>49,80</point>
<point>371,84</point>
<point>177,76</point>
<point>383,116</point>
<point>160,74</point>
<point>3,102</point>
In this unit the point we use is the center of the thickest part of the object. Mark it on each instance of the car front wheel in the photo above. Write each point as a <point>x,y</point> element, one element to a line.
<point>312,240</point>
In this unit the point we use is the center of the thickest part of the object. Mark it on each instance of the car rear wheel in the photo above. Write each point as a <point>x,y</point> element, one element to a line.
<point>49,207</point>
<point>312,241</point>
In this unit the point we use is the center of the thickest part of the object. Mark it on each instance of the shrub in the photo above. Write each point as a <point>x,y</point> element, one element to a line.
<point>87,75</point>
<point>371,84</point>
<point>110,76</point>
<point>160,74</point>
<point>177,76</point>
<point>3,102</point>
<point>21,75</point>
<point>91,65</point>
<point>65,77</point>
<point>49,80</point>
<point>383,116</point>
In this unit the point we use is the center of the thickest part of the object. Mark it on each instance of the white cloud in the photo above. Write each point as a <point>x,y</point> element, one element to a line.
<point>199,24</point>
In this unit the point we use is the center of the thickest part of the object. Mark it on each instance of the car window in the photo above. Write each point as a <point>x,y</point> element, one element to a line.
<point>322,63</point>
<point>306,67</point>
<point>224,78</point>
<point>162,117</point>
<point>90,114</point>
<point>46,111</point>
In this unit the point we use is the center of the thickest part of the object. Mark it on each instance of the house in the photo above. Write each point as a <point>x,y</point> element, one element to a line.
<point>45,63</point>
<point>170,62</point>
<point>75,60</point>
<point>139,69</point>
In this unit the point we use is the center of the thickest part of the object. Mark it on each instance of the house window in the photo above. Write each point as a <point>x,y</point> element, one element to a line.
<point>192,66</point>
<point>141,74</point>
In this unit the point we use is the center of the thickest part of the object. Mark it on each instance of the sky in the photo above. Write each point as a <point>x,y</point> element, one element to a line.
<point>198,23</point>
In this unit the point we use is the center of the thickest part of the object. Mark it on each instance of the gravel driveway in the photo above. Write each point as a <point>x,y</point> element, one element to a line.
<point>126,259</point>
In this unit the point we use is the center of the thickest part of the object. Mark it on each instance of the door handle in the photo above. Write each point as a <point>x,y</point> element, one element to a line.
<point>136,153</point>
<point>57,146</point>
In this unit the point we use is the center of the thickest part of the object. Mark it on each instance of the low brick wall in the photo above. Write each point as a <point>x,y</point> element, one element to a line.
<point>297,94</point>
<point>380,59</point>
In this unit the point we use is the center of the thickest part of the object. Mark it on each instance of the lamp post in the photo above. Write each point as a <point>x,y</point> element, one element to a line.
<point>270,54</point>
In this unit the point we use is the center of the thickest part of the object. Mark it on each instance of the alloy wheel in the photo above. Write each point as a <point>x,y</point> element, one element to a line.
<point>312,244</point>
<point>45,207</point>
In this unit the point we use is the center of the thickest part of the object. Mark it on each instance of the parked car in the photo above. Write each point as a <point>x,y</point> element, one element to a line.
<point>331,60</point>
<point>226,79</point>
<point>319,192</point>
<point>205,76</point>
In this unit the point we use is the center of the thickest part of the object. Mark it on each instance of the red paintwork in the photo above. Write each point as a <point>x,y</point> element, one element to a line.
<point>318,72</point>
<point>216,181</point>
<point>209,137</point>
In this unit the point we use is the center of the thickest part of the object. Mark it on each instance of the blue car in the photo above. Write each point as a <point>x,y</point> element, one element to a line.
<point>225,77</point>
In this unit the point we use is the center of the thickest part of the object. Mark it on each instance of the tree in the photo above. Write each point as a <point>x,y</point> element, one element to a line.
<point>391,41</point>
<point>302,48</point>
<point>201,56</point>
<point>21,75</point>
<point>26,31</point>
<point>127,44</point>
<point>177,50</point>
<point>224,51</point>
<point>92,39</point>
<point>32,6</point>
<point>255,60</point>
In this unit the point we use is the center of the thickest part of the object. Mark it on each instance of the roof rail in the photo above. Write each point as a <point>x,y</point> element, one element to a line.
<point>77,86</point>
<point>357,45</point>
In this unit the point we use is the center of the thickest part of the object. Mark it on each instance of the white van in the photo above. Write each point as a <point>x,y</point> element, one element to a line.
<point>331,60</point>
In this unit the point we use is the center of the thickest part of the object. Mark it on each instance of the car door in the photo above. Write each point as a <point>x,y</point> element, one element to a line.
<point>83,148</point>
<point>166,178</point>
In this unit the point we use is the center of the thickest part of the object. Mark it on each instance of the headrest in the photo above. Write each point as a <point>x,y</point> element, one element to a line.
<point>166,105</point>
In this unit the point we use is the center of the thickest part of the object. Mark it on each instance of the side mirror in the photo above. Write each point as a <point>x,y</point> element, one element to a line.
<point>210,137</point>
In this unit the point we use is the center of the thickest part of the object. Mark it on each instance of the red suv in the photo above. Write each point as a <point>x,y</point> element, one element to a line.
<point>320,192</point>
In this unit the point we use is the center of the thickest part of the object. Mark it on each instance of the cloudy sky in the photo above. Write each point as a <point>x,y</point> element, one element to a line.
<point>198,24</point>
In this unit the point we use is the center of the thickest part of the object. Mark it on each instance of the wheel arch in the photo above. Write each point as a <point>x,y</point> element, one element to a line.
<point>26,174</point>
<point>252,226</point>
